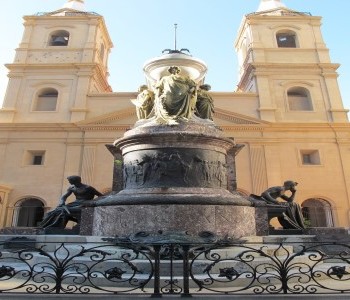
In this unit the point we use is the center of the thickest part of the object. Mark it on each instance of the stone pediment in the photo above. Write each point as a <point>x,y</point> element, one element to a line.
<point>127,117</point>
<point>121,120</point>
<point>235,118</point>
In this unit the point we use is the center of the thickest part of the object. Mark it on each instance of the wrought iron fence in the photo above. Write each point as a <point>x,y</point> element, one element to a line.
<point>185,267</point>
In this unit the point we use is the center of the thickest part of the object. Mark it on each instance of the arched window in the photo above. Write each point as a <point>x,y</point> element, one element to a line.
<point>28,212</point>
<point>286,39</point>
<point>46,100</point>
<point>317,212</point>
<point>299,99</point>
<point>59,38</point>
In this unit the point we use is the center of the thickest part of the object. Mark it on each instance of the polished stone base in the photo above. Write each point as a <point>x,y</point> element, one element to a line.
<point>62,231</point>
<point>165,196</point>
<point>261,221</point>
<point>21,231</point>
<point>234,221</point>
<point>326,234</point>
<point>282,232</point>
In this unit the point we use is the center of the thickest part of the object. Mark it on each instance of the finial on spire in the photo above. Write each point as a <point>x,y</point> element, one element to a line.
<point>182,50</point>
<point>75,4</point>
<point>175,29</point>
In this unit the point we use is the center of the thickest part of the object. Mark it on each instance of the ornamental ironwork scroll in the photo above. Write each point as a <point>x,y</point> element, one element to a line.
<point>175,264</point>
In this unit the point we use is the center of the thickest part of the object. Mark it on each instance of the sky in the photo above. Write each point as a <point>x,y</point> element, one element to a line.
<point>141,29</point>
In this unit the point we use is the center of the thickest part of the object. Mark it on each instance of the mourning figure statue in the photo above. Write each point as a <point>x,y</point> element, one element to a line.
<point>292,218</point>
<point>205,103</point>
<point>59,217</point>
<point>144,103</point>
<point>175,97</point>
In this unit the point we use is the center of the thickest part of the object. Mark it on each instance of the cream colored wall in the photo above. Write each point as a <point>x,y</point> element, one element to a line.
<point>74,70</point>
<point>29,89</point>
<point>74,136</point>
<point>67,152</point>
<point>101,104</point>
<point>264,28</point>
<point>281,153</point>
<point>270,156</point>
<point>273,70</point>
<point>36,49</point>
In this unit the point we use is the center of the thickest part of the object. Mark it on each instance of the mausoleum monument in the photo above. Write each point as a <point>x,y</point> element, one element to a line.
<point>174,170</point>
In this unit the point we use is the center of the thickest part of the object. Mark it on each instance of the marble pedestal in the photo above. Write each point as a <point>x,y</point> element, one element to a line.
<point>174,178</point>
<point>235,221</point>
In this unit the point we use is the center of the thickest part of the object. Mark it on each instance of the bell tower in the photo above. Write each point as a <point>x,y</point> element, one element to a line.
<point>62,58</point>
<point>283,58</point>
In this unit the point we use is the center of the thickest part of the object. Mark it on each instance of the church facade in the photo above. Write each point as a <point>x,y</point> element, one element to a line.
<point>59,112</point>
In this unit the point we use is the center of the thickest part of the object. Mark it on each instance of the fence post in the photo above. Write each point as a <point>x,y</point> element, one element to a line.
<point>186,271</point>
<point>156,287</point>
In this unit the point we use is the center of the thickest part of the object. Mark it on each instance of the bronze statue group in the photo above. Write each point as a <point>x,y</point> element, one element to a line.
<point>174,97</point>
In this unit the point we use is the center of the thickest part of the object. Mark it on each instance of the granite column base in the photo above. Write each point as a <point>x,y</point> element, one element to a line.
<point>234,221</point>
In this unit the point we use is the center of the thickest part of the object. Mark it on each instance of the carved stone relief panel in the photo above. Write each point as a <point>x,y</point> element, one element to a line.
<point>175,168</point>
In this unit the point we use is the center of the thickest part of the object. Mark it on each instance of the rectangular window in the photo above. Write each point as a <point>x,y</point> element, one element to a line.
<point>310,157</point>
<point>37,159</point>
<point>34,158</point>
<point>307,159</point>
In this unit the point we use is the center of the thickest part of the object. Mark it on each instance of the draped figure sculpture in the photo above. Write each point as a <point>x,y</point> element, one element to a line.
<point>292,218</point>
<point>144,103</point>
<point>59,217</point>
<point>205,103</point>
<point>175,97</point>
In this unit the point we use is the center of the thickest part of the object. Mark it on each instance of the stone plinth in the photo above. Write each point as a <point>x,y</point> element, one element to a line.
<point>21,231</point>
<point>261,221</point>
<point>235,221</point>
<point>326,234</point>
<point>86,223</point>
<point>174,178</point>
<point>188,163</point>
<point>170,195</point>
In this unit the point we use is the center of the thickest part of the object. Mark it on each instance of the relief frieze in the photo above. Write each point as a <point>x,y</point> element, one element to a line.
<point>175,169</point>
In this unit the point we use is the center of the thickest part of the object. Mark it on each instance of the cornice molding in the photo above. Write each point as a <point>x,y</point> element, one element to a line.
<point>296,82</point>
<point>262,127</point>
<point>121,127</point>
<point>286,25</point>
<point>60,26</point>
